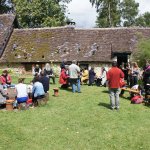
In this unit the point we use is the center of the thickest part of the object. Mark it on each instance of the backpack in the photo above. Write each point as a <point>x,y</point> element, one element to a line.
<point>137,99</point>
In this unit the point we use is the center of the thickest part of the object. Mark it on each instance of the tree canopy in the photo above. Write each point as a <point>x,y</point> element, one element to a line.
<point>113,13</point>
<point>129,11</point>
<point>143,52</point>
<point>108,14</point>
<point>143,20</point>
<point>5,6</point>
<point>40,13</point>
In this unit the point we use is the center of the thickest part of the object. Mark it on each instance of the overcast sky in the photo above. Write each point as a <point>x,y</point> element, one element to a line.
<point>84,14</point>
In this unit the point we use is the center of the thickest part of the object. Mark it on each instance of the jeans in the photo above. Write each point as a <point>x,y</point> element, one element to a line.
<point>114,97</point>
<point>5,86</point>
<point>75,83</point>
<point>134,81</point>
<point>78,85</point>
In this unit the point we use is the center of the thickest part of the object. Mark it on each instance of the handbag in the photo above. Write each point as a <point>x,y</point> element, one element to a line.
<point>122,82</point>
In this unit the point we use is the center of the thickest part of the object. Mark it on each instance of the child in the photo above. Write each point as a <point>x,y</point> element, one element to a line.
<point>137,98</point>
<point>29,89</point>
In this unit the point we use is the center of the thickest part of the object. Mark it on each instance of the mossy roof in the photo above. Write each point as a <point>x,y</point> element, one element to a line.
<point>57,44</point>
<point>6,23</point>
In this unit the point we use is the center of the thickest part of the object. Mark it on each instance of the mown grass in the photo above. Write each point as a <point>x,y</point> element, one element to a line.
<point>80,121</point>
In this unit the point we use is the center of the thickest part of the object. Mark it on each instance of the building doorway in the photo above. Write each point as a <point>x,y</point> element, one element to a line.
<point>122,59</point>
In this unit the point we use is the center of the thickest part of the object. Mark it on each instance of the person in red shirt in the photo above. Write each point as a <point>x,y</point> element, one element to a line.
<point>5,79</point>
<point>113,77</point>
<point>63,79</point>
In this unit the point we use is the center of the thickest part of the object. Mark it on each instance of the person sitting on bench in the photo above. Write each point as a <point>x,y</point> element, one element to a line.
<point>85,76</point>
<point>37,90</point>
<point>6,80</point>
<point>21,90</point>
<point>136,88</point>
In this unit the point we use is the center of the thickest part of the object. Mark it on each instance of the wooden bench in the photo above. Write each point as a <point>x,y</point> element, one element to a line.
<point>131,90</point>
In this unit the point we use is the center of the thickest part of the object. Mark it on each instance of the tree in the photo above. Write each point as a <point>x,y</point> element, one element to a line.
<point>143,20</point>
<point>129,11</point>
<point>108,12</point>
<point>143,52</point>
<point>5,6</point>
<point>40,13</point>
<point>112,12</point>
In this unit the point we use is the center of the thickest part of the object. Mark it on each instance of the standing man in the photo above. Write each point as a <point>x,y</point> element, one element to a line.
<point>74,72</point>
<point>113,77</point>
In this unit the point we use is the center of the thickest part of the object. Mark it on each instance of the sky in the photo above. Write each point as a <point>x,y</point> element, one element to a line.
<point>82,12</point>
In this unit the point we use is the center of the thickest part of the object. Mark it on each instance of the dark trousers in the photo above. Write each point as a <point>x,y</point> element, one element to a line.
<point>53,78</point>
<point>34,99</point>
<point>133,81</point>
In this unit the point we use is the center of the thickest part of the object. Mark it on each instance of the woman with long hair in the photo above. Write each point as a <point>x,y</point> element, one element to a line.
<point>49,72</point>
<point>135,71</point>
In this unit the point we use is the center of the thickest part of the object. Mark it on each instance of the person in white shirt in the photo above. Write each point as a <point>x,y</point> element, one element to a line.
<point>74,71</point>
<point>21,90</point>
<point>29,89</point>
<point>36,70</point>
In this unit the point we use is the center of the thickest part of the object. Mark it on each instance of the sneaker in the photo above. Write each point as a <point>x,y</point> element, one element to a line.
<point>117,109</point>
<point>112,108</point>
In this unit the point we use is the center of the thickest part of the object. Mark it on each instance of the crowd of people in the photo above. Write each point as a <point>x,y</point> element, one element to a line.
<point>73,76</point>
<point>36,90</point>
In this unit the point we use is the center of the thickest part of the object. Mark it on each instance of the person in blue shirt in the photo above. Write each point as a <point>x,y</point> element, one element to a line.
<point>37,90</point>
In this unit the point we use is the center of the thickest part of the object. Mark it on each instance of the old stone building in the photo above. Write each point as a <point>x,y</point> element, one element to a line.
<point>91,47</point>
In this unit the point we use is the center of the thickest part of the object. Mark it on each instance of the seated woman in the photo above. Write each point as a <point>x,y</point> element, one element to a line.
<point>63,79</point>
<point>45,81</point>
<point>5,79</point>
<point>137,88</point>
<point>85,76</point>
<point>21,90</point>
<point>137,98</point>
<point>37,90</point>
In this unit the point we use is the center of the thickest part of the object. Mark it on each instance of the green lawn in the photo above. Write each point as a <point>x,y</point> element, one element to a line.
<point>80,121</point>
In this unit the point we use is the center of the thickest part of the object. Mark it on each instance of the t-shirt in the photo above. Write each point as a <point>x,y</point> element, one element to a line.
<point>74,71</point>
<point>135,87</point>
<point>21,90</point>
<point>29,88</point>
<point>113,77</point>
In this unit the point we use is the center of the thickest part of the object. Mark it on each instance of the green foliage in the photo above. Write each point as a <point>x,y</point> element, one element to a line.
<point>77,122</point>
<point>143,20</point>
<point>113,13</point>
<point>5,6</point>
<point>108,13</point>
<point>143,52</point>
<point>39,13</point>
<point>129,11</point>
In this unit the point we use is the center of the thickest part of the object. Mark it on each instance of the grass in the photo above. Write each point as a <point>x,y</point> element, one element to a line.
<point>80,121</point>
